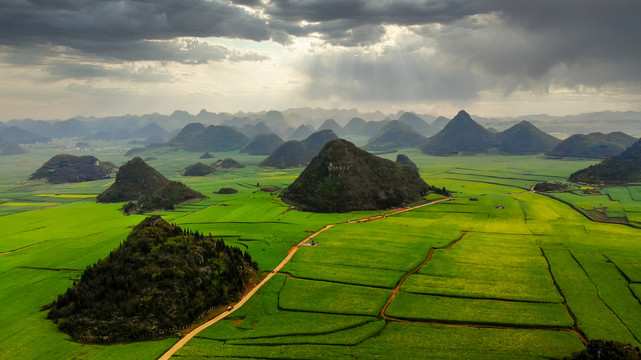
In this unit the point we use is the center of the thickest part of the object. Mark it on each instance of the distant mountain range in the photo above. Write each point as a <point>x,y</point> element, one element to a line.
<point>197,137</point>
<point>464,136</point>
<point>594,146</point>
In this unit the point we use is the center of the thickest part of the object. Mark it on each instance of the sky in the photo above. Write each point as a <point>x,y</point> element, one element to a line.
<point>63,58</point>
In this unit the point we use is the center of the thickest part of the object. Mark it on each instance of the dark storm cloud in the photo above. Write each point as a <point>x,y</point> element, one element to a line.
<point>505,44</point>
<point>63,70</point>
<point>117,28</point>
<point>499,44</point>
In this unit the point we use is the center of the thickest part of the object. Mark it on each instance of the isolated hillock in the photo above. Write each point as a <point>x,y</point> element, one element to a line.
<point>161,278</point>
<point>355,126</point>
<point>151,130</point>
<point>150,190</point>
<point>440,122</point>
<point>419,125</point>
<point>554,186</point>
<point>228,163</point>
<point>135,151</point>
<point>461,136</point>
<point>263,144</point>
<point>344,178</point>
<point>206,155</point>
<point>275,120</point>
<point>331,124</point>
<point>525,138</point>
<point>402,159</point>
<point>226,191</point>
<point>395,135</point>
<point>198,169</point>
<point>593,146</point>
<point>197,137</point>
<point>372,128</point>
<point>257,129</point>
<point>65,168</point>
<point>14,134</point>
<point>294,153</point>
<point>301,133</point>
<point>12,149</point>
<point>291,153</point>
<point>622,168</point>
<point>316,141</point>
<point>186,134</point>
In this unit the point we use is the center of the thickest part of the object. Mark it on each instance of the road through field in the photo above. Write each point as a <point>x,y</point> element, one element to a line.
<point>289,256</point>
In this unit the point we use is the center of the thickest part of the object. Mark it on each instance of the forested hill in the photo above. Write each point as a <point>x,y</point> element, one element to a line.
<point>162,277</point>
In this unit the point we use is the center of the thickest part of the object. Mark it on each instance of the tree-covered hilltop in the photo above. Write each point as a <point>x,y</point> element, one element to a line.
<point>139,182</point>
<point>65,168</point>
<point>161,278</point>
<point>344,178</point>
<point>622,168</point>
<point>198,169</point>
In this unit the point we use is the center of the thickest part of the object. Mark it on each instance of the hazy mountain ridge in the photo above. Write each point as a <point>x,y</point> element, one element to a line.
<point>120,127</point>
<point>297,153</point>
<point>622,168</point>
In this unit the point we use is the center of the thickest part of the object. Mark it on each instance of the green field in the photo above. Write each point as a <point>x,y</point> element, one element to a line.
<point>497,273</point>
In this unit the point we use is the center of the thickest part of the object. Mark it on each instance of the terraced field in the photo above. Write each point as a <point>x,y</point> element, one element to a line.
<point>497,273</point>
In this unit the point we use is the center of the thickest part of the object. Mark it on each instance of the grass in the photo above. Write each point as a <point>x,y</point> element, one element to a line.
<point>613,289</point>
<point>344,274</point>
<point>330,298</point>
<point>594,317</point>
<point>477,311</point>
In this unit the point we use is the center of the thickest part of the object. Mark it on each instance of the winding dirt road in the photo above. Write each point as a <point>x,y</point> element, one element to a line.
<point>169,353</point>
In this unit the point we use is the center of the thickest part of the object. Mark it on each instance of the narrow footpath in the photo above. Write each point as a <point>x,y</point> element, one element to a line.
<point>289,256</point>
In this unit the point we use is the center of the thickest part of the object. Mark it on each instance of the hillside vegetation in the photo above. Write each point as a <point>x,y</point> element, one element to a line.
<point>139,182</point>
<point>65,168</point>
<point>162,277</point>
<point>622,168</point>
<point>345,178</point>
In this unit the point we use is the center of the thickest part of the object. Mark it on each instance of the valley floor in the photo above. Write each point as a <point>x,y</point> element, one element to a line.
<point>497,273</point>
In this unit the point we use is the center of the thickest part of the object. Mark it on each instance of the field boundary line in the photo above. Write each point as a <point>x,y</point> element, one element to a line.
<point>19,249</point>
<point>180,343</point>
<point>576,328</point>
<point>598,294</point>
<point>626,277</point>
<point>414,271</point>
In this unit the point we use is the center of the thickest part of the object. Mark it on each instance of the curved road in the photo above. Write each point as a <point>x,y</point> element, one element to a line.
<point>253,291</point>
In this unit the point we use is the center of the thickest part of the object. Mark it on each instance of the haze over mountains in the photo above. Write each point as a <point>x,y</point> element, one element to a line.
<point>265,133</point>
<point>286,122</point>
